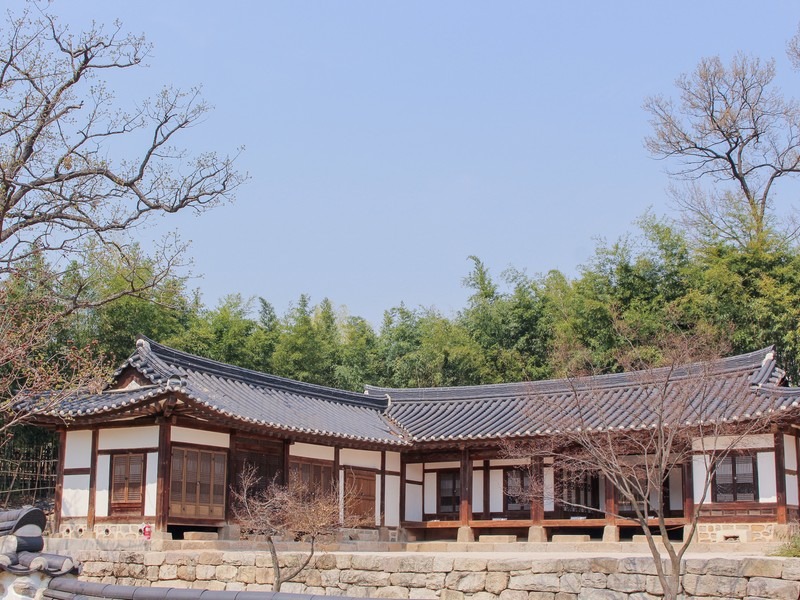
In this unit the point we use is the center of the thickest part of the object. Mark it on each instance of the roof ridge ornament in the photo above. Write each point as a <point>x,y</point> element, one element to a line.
<point>143,344</point>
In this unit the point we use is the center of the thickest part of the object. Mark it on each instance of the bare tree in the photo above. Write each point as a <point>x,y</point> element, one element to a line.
<point>297,512</point>
<point>79,169</point>
<point>678,415</point>
<point>731,126</point>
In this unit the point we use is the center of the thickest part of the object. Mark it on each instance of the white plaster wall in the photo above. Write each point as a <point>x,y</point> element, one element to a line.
<point>414,472</point>
<point>699,474</point>
<point>508,462</point>
<point>675,490</point>
<point>75,496</point>
<point>393,461</point>
<point>477,491</point>
<point>724,442</point>
<point>452,464</point>
<point>197,436</point>
<point>496,490</point>
<point>392,504</point>
<point>78,453</point>
<point>413,502</point>
<point>102,485</point>
<point>430,493</point>
<point>791,490</point>
<point>790,452</point>
<point>767,490</point>
<point>549,489</point>
<point>368,459</point>
<point>311,451</point>
<point>151,484</point>
<point>122,438</point>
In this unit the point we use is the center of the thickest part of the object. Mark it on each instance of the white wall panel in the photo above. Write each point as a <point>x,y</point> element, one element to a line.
<point>451,464</point>
<point>724,442</point>
<point>430,493</point>
<point>393,461</point>
<point>767,490</point>
<point>377,500</point>
<point>78,453</point>
<point>369,459</point>
<point>549,489</point>
<point>790,452</point>
<point>508,462</point>
<point>675,489</point>
<point>413,502</point>
<point>699,474</point>
<point>151,484</point>
<point>311,451</point>
<point>477,491</point>
<point>791,490</point>
<point>75,496</point>
<point>392,504</point>
<point>128,438</point>
<point>102,485</point>
<point>496,490</point>
<point>186,435</point>
<point>414,472</point>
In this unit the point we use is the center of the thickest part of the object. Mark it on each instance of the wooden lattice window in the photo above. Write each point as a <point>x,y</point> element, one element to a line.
<point>127,483</point>
<point>197,483</point>
<point>735,479</point>
<point>448,496</point>
<point>313,473</point>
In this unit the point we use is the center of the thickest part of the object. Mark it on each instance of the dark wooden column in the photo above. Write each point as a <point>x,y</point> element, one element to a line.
<point>164,470</point>
<point>611,503</point>
<point>688,490</point>
<point>286,454</point>
<point>465,512</point>
<point>92,482</point>
<point>780,476</point>
<point>383,488</point>
<point>62,450</point>
<point>403,488</point>
<point>487,491</point>
<point>537,503</point>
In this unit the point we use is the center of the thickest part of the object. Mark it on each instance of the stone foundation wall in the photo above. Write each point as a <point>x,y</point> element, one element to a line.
<point>426,576</point>
<point>745,532</point>
<point>117,531</point>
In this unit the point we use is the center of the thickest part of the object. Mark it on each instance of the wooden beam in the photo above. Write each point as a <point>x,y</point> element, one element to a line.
<point>780,476</point>
<point>62,450</point>
<point>537,504</point>
<point>611,503</point>
<point>163,475</point>
<point>465,512</point>
<point>93,483</point>
<point>383,489</point>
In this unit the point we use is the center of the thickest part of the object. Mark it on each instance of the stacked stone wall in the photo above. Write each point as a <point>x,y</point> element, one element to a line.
<point>443,577</point>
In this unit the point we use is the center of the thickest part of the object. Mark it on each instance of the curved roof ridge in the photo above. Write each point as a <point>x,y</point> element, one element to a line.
<point>158,356</point>
<point>760,365</point>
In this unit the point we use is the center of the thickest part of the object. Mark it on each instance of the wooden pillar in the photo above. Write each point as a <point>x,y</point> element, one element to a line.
<point>780,476</point>
<point>92,483</point>
<point>286,445</point>
<point>62,450</point>
<point>611,503</point>
<point>232,480</point>
<point>164,473</point>
<point>465,512</point>
<point>537,503</point>
<point>487,492</point>
<point>383,488</point>
<point>688,491</point>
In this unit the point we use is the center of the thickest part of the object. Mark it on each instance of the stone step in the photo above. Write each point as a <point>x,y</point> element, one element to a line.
<point>497,539</point>
<point>200,536</point>
<point>570,539</point>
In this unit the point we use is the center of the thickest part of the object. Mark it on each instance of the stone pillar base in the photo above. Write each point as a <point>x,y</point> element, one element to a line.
<point>537,533</point>
<point>465,534</point>
<point>229,532</point>
<point>610,533</point>
<point>686,530</point>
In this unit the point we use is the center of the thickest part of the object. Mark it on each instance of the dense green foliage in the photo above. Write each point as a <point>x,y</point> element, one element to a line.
<point>629,296</point>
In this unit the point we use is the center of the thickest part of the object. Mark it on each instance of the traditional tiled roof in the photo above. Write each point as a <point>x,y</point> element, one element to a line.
<point>729,389</point>
<point>250,397</point>
<point>21,545</point>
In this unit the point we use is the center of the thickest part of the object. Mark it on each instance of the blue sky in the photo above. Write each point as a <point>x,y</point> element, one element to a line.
<point>388,141</point>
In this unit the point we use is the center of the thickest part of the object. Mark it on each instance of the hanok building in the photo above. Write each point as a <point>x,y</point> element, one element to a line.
<point>166,441</point>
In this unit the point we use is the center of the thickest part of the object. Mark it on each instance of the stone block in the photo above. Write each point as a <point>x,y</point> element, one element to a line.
<point>593,580</point>
<point>714,585</point>
<point>451,595</point>
<point>536,582</point>
<point>626,582</point>
<point>209,558</point>
<point>541,596</point>
<point>468,582</point>
<point>604,565</point>
<point>152,573</point>
<point>205,572</point>
<point>566,596</point>
<point>391,591</point>
<point>727,567</point>
<point>200,536</point>
<point>469,564</point>
<point>187,572</point>
<point>168,571</point>
<point>325,561</point>
<point>779,589</point>
<point>570,582</point>
<point>497,539</point>
<point>366,562</point>
<point>598,594</point>
<point>654,586</point>
<point>640,564</point>
<point>791,569</point>
<point>508,564</point>
<point>154,559</point>
<point>442,564</point>
<point>496,582</point>
<point>239,559</point>
<point>545,565</point>
<point>610,533</point>
<point>225,573</point>
<point>422,594</point>
<point>364,578</point>
<point>246,574</point>
<point>537,534</point>
<point>570,539</point>
<point>513,595</point>
<point>761,567</point>
<point>465,535</point>
<point>179,558</point>
<point>576,565</point>
<point>264,576</point>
